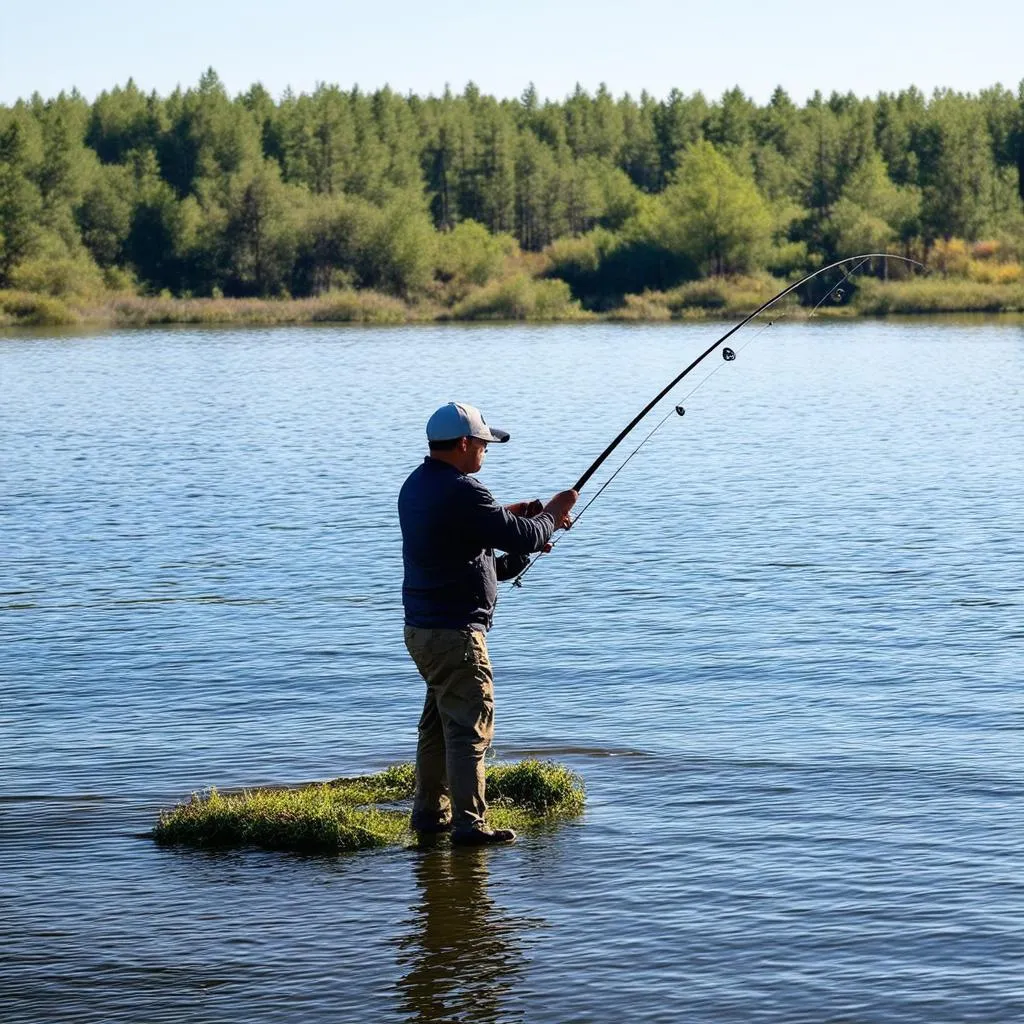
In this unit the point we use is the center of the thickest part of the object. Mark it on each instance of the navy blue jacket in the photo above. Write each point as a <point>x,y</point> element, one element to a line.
<point>450,527</point>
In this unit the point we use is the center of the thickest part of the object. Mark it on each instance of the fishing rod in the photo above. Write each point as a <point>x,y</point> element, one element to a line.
<point>728,355</point>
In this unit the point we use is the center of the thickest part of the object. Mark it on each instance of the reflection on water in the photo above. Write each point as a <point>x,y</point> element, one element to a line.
<point>462,952</point>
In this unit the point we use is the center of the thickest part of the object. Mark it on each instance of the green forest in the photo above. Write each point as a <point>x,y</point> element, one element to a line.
<point>378,205</point>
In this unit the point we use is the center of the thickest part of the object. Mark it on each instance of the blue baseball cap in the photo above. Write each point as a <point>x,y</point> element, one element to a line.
<point>456,419</point>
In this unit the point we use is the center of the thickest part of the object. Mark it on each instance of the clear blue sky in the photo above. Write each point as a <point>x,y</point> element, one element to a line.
<point>874,45</point>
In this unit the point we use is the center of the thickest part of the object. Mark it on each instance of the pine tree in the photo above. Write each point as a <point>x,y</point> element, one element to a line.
<point>20,201</point>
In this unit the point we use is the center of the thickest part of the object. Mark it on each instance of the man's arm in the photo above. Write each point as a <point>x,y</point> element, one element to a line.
<point>496,527</point>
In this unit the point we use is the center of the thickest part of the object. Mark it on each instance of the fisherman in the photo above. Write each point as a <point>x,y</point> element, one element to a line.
<point>450,527</point>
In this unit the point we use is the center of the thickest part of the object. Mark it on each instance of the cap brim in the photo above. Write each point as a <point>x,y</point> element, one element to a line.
<point>496,436</point>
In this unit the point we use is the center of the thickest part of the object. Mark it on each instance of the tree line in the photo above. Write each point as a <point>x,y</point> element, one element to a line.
<point>198,193</point>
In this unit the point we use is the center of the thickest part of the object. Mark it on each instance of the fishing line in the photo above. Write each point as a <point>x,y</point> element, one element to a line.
<point>679,409</point>
<point>729,355</point>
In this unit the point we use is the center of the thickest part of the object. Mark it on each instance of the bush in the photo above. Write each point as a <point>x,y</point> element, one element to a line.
<point>349,306</point>
<point>727,296</point>
<point>59,273</point>
<point>648,306</point>
<point>398,254</point>
<point>520,298</point>
<point>574,258</point>
<point>23,309</point>
<point>714,297</point>
<point>949,257</point>
<point>601,268</point>
<point>788,258</point>
<point>996,273</point>
<point>470,255</point>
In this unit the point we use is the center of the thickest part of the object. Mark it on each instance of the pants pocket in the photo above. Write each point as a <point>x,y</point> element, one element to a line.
<point>476,651</point>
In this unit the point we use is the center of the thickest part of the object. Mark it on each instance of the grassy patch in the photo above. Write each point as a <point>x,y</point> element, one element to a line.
<point>536,788</point>
<point>359,813</point>
<point>938,295</point>
<point>334,307</point>
<point>521,295</point>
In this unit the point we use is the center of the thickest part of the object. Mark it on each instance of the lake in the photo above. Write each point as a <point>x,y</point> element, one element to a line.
<point>784,649</point>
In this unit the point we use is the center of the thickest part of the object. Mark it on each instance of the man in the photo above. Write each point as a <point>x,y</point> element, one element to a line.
<point>450,527</point>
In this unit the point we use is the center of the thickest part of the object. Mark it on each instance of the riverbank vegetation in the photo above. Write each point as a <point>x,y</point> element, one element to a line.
<point>362,812</point>
<point>346,206</point>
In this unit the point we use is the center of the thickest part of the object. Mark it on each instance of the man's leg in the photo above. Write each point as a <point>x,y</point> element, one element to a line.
<point>429,648</point>
<point>466,702</point>
<point>431,807</point>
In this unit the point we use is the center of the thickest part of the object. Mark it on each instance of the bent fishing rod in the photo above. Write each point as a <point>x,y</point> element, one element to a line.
<point>728,354</point>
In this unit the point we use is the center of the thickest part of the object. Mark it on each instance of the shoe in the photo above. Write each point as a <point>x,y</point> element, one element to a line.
<point>483,837</point>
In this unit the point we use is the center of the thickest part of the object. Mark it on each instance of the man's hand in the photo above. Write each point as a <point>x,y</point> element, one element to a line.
<point>560,506</point>
<point>526,508</point>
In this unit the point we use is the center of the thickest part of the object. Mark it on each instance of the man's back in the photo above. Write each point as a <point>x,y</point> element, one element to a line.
<point>450,526</point>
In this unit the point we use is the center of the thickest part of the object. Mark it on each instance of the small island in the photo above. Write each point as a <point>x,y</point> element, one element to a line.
<point>362,812</point>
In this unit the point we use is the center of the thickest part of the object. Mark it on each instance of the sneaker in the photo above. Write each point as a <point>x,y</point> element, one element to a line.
<point>483,837</point>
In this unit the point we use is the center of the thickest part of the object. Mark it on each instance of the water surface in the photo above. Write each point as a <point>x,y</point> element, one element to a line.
<point>785,650</point>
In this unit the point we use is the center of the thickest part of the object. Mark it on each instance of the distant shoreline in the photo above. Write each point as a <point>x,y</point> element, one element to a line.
<point>704,300</point>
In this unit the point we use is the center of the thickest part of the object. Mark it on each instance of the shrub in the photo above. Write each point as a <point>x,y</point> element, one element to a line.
<point>985,250</point>
<point>575,257</point>
<point>722,295</point>
<point>470,255</point>
<point>61,276</point>
<point>996,273</point>
<point>23,309</point>
<point>648,306</point>
<point>520,298</point>
<point>949,257</point>
<point>349,306</point>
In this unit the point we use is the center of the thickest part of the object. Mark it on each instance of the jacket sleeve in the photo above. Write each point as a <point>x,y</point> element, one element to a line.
<point>493,526</point>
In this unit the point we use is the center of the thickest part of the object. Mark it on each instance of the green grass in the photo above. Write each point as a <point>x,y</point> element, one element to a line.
<point>520,296</point>
<point>535,788</point>
<point>359,813</point>
<point>937,295</point>
<point>334,307</point>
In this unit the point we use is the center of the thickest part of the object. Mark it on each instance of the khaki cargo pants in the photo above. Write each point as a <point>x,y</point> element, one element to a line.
<point>456,726</point>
